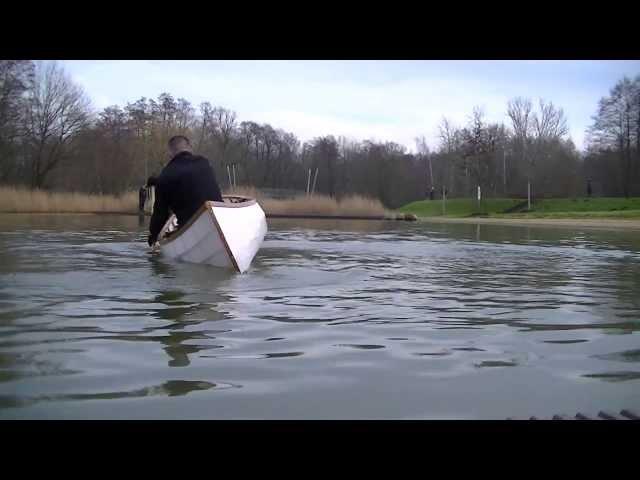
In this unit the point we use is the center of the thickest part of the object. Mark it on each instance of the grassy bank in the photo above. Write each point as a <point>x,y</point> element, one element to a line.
<point>621,214</point>
<point>578,208</point>
<point>459,207</point>
<point>610,206</point>
<point>13,200</point>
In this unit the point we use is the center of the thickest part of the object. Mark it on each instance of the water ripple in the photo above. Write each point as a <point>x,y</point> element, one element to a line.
<point>465,321</point>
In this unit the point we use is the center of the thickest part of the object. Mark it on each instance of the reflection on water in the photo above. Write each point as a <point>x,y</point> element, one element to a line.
<point>335,319</point>
<point>171,388</point>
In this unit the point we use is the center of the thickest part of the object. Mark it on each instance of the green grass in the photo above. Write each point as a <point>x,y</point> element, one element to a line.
<point>617,214</point>
<point>600,204</point>
<point>458,207</point>
<point>602,207</point>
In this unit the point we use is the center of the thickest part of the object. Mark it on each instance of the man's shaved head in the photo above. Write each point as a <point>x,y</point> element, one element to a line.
<point>178,144</point>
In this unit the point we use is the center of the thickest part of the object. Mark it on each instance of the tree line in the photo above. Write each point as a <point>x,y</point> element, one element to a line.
<point>50,138</point>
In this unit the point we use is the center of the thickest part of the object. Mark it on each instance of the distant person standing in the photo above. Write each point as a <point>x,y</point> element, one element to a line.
<point>142,198</point>
<point>589,191</point>
<point>431,193</point>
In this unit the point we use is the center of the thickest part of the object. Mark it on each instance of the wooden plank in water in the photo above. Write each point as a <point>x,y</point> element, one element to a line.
<point>602,415</point>
<point>582,416</point>
<point>607,415</point>
<point>562,417</point>
<point>629,414</point>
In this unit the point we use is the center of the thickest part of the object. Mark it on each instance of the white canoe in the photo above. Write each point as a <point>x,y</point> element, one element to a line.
<point>223,234</point>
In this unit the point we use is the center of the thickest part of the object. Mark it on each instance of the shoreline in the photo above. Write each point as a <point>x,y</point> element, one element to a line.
<point>599,223</point>
<point>592,223</point>
<point>399,217</point>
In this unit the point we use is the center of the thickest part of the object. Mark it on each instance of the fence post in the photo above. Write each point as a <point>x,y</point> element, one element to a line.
<point>315,177</point>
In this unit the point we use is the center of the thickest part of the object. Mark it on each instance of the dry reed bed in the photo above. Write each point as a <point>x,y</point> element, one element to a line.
<point>315,205</point>
<point>17,200</point>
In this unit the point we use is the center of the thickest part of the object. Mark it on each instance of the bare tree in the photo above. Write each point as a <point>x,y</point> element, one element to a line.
<point>206,120</point>
<point>423,152</point>
<point>450,140</point>
<point>549,128</point>
<point>324,156</point>
<point>16,77</point>
<point>519,111</point>
<point>184,115</point>
<point>615,126</point>
<point>636,106</point>
<point>549,123</point>
<point>479,147</point>
<point>447,132</point>
<point>166,111</point>
<point>139,118</point>
<point>57,110</point>
<point>225,121</point>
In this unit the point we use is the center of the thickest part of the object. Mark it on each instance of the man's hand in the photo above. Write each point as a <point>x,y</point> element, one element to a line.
<point>155,246</point>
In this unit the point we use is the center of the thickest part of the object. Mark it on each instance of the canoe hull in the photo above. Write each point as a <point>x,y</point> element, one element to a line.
<point>226,235</point>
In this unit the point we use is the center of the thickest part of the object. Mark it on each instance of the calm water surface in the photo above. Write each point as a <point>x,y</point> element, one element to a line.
<point>333,320</point>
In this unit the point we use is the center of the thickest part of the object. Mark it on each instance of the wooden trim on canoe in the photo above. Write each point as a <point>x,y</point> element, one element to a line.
<point>221,233</point>
<point>327,217</point>
<point>246,202</point>
<point>186,226</point>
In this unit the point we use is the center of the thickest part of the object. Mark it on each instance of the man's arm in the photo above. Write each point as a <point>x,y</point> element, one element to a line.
<point>159,217</point>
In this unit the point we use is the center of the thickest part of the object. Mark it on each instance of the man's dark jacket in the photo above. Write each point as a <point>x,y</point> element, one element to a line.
<point>183,186</point>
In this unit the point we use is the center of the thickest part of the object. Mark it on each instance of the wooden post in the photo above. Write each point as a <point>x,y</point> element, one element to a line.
<point>315,177</point>
<point>430,171</point>
<point>504,171</point>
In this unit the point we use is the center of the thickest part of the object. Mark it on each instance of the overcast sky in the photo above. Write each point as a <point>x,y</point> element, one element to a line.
<point>381,100</point>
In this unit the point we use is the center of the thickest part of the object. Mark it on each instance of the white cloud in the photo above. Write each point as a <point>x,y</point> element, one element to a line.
<point>394,101</point>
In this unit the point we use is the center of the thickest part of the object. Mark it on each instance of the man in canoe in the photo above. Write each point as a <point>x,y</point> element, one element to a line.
<point>184,184</point>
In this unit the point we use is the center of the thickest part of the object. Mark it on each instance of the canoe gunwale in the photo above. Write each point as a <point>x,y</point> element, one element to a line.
<point>207,206</point>
<point>246,202</point>
<point>186,226</point>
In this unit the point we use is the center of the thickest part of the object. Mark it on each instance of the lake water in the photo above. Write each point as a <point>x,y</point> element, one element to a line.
<point>334,320</point>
